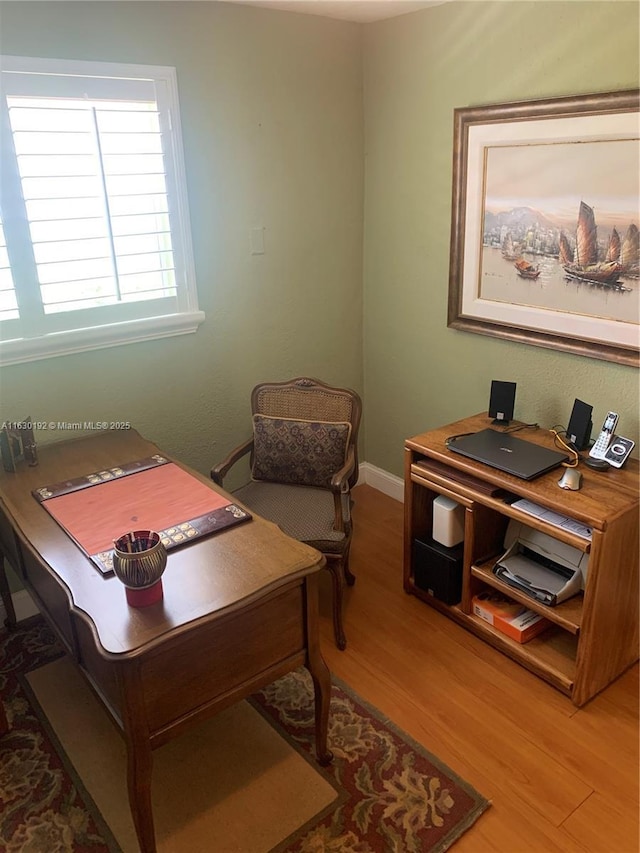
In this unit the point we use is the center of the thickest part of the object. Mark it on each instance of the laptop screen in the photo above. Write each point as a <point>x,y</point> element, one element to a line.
<point>507,453</point>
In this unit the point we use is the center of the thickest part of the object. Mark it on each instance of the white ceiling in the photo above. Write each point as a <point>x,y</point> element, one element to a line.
<point>361,11</point>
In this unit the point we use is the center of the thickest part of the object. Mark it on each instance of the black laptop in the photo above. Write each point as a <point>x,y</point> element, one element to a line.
<point>507,453</point>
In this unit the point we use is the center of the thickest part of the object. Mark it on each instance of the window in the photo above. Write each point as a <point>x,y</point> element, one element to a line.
<point>95,245</point>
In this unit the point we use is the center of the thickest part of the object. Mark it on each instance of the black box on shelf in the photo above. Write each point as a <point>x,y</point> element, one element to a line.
<point>438,569</point>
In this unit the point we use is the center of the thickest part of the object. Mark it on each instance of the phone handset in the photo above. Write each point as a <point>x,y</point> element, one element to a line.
<point>603,441</point>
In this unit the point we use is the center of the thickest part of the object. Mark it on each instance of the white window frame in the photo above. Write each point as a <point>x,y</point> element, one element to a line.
<point>32,344</point>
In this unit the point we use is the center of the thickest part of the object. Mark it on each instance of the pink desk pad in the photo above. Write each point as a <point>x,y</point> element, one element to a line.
<point>164,498</point>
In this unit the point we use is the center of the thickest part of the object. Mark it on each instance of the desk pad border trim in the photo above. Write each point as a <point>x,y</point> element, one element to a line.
<point>184,532</point>
<point>66,487</point>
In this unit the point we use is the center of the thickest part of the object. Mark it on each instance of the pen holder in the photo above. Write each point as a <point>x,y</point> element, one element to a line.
<point>139,559</point>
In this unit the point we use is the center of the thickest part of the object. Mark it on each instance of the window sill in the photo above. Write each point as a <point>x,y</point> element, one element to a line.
<point>100,337</point>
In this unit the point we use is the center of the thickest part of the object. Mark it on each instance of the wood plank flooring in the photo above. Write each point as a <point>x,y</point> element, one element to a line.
<point>560,779</point>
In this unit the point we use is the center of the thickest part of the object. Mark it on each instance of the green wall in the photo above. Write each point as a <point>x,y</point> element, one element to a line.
<point>277,133</point>
<point>271,108</point>
<point>419,67</point>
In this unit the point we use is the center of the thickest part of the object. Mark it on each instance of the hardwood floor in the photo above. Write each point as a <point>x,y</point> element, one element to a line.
<point>559,778</point>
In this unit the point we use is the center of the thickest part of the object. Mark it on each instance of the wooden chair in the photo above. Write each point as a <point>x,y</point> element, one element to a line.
<point>304,462</point>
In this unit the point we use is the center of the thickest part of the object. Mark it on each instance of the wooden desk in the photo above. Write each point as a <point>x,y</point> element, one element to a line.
<point>240,610</point>
<point>594,635</point>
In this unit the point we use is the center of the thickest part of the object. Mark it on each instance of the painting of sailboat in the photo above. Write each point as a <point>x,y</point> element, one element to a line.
<point>526,270</point>
<point>630,252</point>
<point>586,266</point>
<point>565,255</point>
<point>545,239</point>
<point>613,249</point>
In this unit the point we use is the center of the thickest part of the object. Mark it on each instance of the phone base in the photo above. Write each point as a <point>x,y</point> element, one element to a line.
<point>596,464</point>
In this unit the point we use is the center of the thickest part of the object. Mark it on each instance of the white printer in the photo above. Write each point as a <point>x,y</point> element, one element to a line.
<point>540,566</point>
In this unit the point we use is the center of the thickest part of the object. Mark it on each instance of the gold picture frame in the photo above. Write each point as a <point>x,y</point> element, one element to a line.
<point>529,181</point>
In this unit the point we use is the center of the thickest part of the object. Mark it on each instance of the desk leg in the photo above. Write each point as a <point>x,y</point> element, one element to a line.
<point>318,669</point>
<point>5,594</point>
<point>139,764</point>
<point>4,723</point>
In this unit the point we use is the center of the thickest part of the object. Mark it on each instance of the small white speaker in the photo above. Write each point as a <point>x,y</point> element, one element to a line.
<point>448,522</point>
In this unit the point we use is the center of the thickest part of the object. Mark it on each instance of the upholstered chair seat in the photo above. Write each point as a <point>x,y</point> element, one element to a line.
<point>304,462</point>
<point>302,512</point>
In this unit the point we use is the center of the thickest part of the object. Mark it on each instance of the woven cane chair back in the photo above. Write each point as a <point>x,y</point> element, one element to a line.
<point>310,400</point>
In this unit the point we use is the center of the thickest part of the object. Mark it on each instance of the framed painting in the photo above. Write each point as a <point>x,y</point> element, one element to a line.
<point>544,230</point>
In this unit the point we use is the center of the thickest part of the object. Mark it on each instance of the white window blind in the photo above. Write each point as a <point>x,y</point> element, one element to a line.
<point>96,245</point>
<point>8,303</point>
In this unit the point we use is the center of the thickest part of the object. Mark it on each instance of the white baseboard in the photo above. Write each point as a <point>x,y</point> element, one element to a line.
<point>23,604</point>
<point>381,480</point>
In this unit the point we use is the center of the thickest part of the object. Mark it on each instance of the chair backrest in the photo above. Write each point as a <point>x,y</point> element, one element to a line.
<point>310,400</point>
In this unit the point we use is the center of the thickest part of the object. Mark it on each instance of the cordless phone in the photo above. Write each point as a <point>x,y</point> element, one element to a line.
<point>599,449</point>
<point>618,451</point>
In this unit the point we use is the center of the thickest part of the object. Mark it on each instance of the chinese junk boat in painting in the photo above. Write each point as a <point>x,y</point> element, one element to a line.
<point>613,249</point>
<point>630,252</point>
<point>565,255</point>
<point>585,265</point>
<point>525,269</point>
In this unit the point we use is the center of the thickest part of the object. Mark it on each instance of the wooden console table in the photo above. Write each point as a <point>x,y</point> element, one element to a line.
<point>594,635</point>
<point>240,610</point>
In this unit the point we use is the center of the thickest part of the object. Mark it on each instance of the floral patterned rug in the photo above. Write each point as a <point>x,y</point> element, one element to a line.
<point>396,797</point>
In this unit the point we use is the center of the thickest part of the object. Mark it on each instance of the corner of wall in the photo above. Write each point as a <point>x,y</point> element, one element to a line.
<point>386,483</point>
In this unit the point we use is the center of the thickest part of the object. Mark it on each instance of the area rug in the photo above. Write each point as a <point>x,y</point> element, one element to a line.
<point>244,782</point>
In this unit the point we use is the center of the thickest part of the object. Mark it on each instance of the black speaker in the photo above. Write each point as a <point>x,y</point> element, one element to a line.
<point>580,425</point>
<point>438,569</point>
<point>502,401</point>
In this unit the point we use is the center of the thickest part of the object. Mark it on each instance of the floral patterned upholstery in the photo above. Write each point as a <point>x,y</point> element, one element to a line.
<point>303,453</point>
